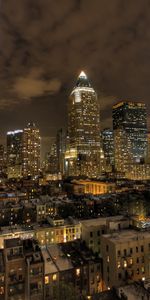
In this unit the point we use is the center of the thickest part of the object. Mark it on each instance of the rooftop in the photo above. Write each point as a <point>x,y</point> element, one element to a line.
<point>127,236</point>
<point>59,258</point>
<point>50,267</point>
<point>102,221</point>
<point>14,242</point>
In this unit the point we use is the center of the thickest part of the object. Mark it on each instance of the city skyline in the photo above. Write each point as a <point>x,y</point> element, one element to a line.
<point>74,150</point>
<point>34,77</point>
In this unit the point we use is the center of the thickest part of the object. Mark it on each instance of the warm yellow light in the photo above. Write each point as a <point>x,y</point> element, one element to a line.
<point>78,272</point>
<point>46,280</point>
<point>54,277</point>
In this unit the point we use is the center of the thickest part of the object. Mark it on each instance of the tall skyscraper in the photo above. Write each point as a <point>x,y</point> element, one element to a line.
<point>130,123</point>
<point>14,153</point>
<point>3,160</point>
<point>52,159</point>
<point>82,156</point>
<point>31,150</point>
<point>108,147</point>
<point>61,148</point>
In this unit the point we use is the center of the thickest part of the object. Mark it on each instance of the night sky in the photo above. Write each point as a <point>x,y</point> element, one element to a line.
<point>45,43</point>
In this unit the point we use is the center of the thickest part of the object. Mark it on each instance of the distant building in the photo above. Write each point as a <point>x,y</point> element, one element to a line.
<point>82,157</point>
<point>52,160</point>
<point>148,149</point>
<point>108,147</point>
<point>130,132</point>
<point>138,171</point>
<point>80,187</point>
<point>61,148</point>
<point>14,153</point>
<point>3,160</point>
<point>31,150</point>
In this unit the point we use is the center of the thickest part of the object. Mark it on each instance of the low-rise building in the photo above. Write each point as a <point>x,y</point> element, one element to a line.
<point>24,270</point>
<point>126,257</point>
<point>93,229</point>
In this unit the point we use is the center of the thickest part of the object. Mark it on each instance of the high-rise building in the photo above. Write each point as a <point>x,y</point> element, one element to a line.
<point>31,150</point>
<point>61,148</point>
<point>3,160</point>
<point>82,157</point>
<point>130,132</point>
<point>148,147</point>
<point>52,160</point>
<point>14,153</point>
<point>108,147</point>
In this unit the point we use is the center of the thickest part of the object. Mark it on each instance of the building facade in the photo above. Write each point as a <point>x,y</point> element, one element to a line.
<point>108,148</point>
<point>31,150</point>
<point>14,153</point>
<point>125,257</point>
<point>82,157</point>
<point>130,132</point>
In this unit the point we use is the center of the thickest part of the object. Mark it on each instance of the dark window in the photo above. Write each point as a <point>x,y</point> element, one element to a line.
<point>119,276</point>
<point>142,248</point>
<point>125,252</point>
<point>20,277</point>
<point>91,234</point>
<point>131,250</point>
<point>137,249</point>
<point>119,252</point>
<point>107,248</point>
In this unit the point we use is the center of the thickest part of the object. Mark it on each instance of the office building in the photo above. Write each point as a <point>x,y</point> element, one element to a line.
<point>130,133</point>
<point>31,150</point>
<point>61,148</point>
<point>14,153</point>
<point>3,160</point>
<point>108,148</point>
<point>82,157</point>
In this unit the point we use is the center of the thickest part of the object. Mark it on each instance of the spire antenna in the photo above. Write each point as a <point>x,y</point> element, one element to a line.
<point>82,74</point>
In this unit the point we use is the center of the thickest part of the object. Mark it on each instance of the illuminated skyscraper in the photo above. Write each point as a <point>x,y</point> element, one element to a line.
<point>61,148</point>
<point>82,156</point>
<point>108,147</point>
<point>130,129</point>
<point>31,150</point>
<point>14,153</point>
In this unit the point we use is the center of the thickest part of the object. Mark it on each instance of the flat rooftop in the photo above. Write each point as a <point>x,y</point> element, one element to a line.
<point>102,221</point>
<point>59,258</point>
<point>127,236</point>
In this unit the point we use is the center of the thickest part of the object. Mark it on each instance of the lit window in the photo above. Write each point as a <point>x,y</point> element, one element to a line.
<point>46,280</point>
<point>118,265</point>
<point>54,277</point>
<point>125,263</point>
<point>78,272</point>
<point>108,259</point>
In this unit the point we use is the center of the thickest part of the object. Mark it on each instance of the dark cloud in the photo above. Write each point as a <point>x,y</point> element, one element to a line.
<point>45,43</point>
